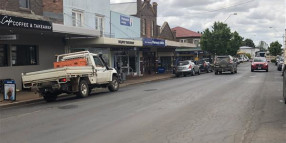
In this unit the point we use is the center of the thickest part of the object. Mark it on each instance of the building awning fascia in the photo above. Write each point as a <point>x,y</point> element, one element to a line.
<point>188,49</point>
<point>179,44</point>
<point>60,28</point>
<point>107,41</point>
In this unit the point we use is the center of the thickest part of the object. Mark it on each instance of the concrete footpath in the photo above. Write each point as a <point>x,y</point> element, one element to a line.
<point>28,97</point>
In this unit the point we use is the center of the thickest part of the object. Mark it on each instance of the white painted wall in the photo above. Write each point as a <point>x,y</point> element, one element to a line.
<point>90,8</point>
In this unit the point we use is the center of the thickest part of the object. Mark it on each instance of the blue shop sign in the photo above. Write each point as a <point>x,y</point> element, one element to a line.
<point>153,42</point>
<point>126,21</point>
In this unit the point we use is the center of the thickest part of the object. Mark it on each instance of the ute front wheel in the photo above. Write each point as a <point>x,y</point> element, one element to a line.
<point>114,85</point>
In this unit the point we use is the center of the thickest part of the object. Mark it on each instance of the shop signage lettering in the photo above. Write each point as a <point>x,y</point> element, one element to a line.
<point>153,42</point>
<point>126,42</point>
<point>17,22</point>
<point>126,21</point>
<point>8,37</point>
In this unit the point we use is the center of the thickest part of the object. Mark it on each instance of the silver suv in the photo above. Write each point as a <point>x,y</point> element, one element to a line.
<point>224,64</point>
<point>187,68</point>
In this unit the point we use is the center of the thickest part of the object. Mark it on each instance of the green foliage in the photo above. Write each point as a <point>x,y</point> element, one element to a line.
<point>248,55</point>
<point>248,42</point>
<point>273,60</point>
<point>220,40</point>
<point>275,48</point>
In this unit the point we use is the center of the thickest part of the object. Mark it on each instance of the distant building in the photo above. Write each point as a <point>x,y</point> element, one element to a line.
<point>249,50</point>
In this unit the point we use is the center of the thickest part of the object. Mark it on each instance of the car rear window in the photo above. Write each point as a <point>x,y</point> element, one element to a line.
<point>259,60</point>
<point>183,63</point>
<point>222,58</point>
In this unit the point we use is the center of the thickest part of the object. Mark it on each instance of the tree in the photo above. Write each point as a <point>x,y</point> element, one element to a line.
<point>248,42</point>
<point>220,40</point>
<point>275,48</point>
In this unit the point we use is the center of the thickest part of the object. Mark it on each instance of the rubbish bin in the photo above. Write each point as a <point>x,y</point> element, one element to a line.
<point>8,88</point>
<point>161,70</point>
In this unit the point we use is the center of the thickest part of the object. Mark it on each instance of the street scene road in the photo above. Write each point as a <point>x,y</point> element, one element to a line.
<point>246,107</point>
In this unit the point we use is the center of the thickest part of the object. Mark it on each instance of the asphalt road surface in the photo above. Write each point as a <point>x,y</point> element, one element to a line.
<point>240,108</point>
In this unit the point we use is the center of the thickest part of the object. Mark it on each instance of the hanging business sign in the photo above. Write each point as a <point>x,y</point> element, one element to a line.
<point>18,22</point>
<point>153,42</point>
<point>8,37</point>
<point>126,21</point>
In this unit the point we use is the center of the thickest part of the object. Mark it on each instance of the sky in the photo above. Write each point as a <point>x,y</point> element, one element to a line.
<point>253,18</point>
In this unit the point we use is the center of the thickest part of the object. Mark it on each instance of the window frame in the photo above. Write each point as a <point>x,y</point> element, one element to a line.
<point>99,22</point>
<point>183,41</point>
<point>75,19</point>
<point>96,65</point>
<point>5,55</point>
<point>36,54</point>
<point>143,26</point>
<point>152,28</point>
<point>27,2</point>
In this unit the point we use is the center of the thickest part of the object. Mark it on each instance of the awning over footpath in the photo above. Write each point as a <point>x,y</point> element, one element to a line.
<point>59,28</point>
<point>179,44</point>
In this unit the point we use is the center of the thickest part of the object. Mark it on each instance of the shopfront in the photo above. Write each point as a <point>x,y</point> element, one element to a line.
<point>150,60</point>
<point>26,45</point>
<point>30,44</point>
<point>121,54</point>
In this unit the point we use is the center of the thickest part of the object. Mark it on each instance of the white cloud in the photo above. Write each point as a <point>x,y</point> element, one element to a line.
<point>253,19</point>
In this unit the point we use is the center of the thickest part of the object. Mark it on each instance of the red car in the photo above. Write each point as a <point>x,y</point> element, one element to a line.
<point>259,63</point>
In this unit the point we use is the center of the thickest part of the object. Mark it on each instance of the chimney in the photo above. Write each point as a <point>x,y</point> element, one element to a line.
<point>155,5</point>
<point>139,5</point>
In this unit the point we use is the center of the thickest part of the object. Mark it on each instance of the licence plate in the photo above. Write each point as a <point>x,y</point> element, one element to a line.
<point>259,68</point>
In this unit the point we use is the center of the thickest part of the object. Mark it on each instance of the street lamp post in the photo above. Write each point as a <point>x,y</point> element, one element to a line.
<point>229,16</point>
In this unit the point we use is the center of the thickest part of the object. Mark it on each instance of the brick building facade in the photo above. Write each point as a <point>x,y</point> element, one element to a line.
<point>147,12</point>
<point>54,10</point>
<point>23,6</point>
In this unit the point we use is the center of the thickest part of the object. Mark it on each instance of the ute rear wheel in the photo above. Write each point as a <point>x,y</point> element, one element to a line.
<point>114,85</point>
<point>83,89</point>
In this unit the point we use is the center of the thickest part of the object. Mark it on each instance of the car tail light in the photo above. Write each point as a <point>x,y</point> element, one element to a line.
<point>205,64</point>
<point>190,66</point>
<point>63,80</point>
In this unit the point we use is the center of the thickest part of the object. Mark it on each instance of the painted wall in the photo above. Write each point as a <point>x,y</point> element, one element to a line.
<point>124,26</point>
<point>89,8</point>
<point>49,46</point>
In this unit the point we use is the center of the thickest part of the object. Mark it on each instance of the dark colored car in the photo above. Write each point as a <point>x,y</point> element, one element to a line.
<point>224,64</point>
<point>259,63</point>
<point>204,66</point>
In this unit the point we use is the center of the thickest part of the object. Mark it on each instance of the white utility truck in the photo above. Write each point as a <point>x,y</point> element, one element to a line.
<point>77,73</point>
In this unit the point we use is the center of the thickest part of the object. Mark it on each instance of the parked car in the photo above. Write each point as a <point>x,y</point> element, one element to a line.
<point>204,66</point>
<point>224,64</point>
<point>75,73</point>
<point>280,64</point>
<point>259,63</point>
<point>187,68</point>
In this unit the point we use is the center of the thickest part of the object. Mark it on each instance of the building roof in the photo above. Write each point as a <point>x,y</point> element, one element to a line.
<point>128,8</point>
<point>183,32</point>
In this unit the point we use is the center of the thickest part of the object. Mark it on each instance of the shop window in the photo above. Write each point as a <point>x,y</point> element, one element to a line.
<point>24,55</point>
<point>3,56</point>
<point>77,18</point>
<point>24,4</point>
